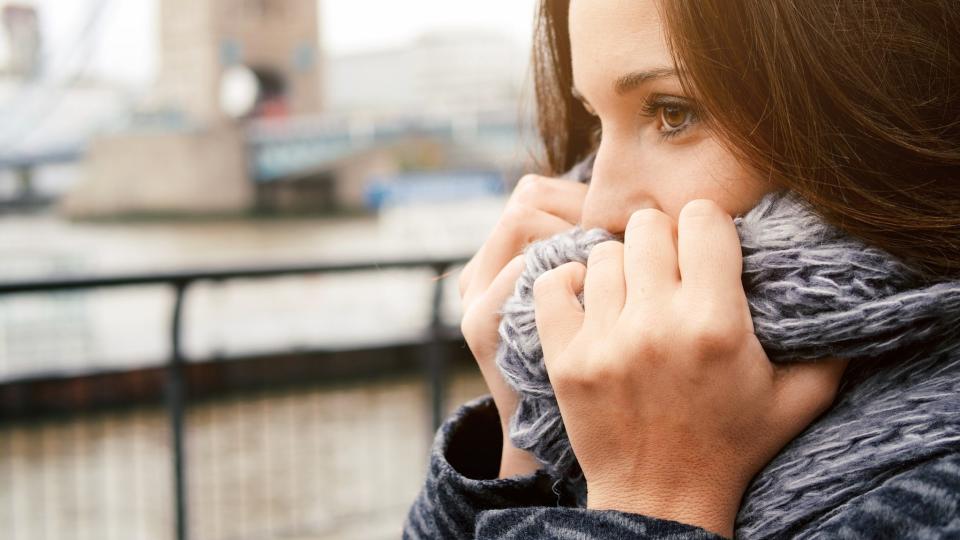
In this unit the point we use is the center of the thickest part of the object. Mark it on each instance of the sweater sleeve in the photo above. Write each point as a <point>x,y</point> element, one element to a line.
<point>919,501</point>
<point>922,501</point>
<point>463,498</point>
<point>462,477</point>
<point>583,524</point>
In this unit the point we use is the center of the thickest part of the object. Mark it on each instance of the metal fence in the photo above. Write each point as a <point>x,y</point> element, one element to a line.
<point>180,381</point>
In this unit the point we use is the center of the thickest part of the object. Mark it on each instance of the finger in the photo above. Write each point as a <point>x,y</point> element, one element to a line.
<point>505,283</point>
<point>604,289</point>
<point>557,311</point>
<point>650,255</point>
<point>556,196</point>
<point>487,311</point>
<point>709,252</point>
<point>464,280</point>
<point>508,239</point>
<point>806,389</point>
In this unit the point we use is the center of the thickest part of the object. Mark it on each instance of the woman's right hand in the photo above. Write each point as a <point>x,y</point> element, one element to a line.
<point>538,208</point>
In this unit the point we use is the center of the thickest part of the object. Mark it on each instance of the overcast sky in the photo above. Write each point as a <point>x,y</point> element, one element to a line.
<point>125,42</point>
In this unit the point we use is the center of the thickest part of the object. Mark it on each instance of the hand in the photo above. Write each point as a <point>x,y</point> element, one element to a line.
<point>669,401</point>
<point>539,207</point>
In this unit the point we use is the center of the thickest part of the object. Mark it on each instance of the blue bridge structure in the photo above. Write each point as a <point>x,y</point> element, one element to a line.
<point>285,148</point>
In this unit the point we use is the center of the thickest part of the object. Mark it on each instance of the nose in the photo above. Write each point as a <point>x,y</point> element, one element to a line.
<point>616,189</point>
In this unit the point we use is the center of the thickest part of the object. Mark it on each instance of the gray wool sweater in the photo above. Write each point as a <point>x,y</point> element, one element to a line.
<point>882,462</point>
<point>463,498</point>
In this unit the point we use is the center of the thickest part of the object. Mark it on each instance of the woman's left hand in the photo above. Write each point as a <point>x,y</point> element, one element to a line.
<point>669,401</point>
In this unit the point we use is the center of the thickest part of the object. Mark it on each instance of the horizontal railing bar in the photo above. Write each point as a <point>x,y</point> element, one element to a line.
<point>116,389</point>
<point>446,332</point>
<point>189,276</point>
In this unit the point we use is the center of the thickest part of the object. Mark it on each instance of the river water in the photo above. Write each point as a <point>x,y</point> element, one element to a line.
<point>86,330</point>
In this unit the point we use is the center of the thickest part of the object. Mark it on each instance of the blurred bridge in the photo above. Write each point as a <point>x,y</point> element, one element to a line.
<point>280,149</point>
<point>23,166</point>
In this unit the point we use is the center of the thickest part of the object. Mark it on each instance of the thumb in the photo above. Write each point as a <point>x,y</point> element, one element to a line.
<point>557,311</point>
<point>806,389</point>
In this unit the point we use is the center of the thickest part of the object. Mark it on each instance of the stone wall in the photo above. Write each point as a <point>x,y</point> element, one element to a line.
<point>163,173</point>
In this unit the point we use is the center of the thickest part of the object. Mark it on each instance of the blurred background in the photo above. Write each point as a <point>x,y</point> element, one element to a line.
<point>230,234</point>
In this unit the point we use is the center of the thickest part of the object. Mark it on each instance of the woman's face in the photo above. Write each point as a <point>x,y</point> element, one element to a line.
<point>653,151</point>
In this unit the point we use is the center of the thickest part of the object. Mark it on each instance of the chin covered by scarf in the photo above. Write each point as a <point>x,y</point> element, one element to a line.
<point>813,292</point>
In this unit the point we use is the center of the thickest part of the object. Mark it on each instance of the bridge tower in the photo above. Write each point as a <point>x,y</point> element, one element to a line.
<point>275,40</point>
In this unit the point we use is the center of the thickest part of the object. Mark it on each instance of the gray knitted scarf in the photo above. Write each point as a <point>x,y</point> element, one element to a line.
<point>813,292</point>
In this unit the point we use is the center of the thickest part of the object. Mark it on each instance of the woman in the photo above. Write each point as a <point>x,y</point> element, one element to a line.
<point>677,117</point>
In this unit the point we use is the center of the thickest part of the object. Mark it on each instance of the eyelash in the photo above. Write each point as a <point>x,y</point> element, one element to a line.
<point>653,106</point>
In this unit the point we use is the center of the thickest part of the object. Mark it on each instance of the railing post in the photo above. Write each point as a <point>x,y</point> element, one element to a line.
<point>436,357</point>
<point>175,395</point>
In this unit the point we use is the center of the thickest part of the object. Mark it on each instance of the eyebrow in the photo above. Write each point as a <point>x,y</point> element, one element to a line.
<point>630,81</point>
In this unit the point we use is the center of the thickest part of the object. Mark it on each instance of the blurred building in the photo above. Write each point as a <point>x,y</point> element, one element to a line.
<point>451,100</point>
<point>276,40</point>
<point>20,41</point>
<point>252,119</point>
<point>442,74</point>
<point>47,120</point>
<point>196,163</point>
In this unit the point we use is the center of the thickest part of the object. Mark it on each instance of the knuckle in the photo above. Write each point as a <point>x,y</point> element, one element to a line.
<point>603,252</point>
<point>647,216</point>
<point>513,214</point>
<point>480,330</point>
<point>710,336</point>
<point>514,218</point>
<point>530,188</point>
<point>608,368</point>
<point>470,325</point>
<point>571,267</point>
<point>599,367</point>
<point>649,343</point>
<point>557,277</point>
<point>700,208</point>
<point>547,281</point>
<point>568,378</point>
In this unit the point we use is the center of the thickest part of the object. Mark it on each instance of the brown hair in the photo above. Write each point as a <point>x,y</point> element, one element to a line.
<point>854,105</point>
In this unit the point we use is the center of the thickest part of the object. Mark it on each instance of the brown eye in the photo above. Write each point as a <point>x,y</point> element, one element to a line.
<point>674,116</point>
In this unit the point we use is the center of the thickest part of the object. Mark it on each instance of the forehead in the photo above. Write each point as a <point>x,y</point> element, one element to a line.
<point>612,37</point>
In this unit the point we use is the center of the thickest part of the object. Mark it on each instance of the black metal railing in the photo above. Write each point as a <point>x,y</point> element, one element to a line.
<point>175,384</point>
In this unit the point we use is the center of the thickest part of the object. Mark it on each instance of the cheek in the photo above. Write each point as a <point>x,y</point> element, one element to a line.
<point>703,170</point>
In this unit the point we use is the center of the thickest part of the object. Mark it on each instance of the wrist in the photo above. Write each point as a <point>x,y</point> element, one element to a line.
<point>714,510</point>
<point>514,461</point>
